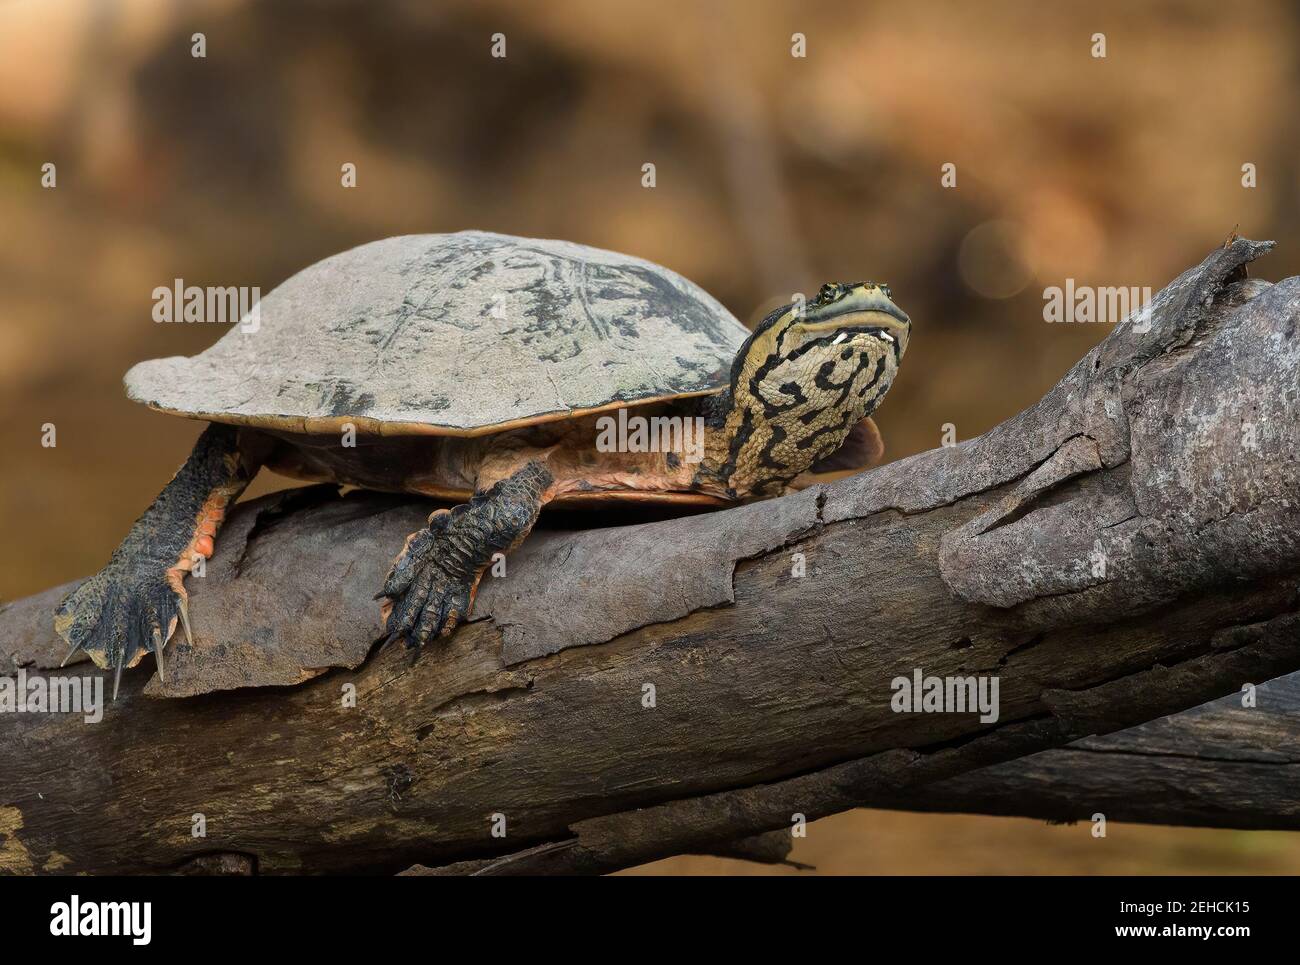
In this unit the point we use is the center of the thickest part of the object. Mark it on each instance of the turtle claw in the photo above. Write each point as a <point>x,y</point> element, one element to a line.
<point>119,615</point>
<point>68,656</point>
<point>185,625</point>
<point>117,674</point>
<point>158,647</point>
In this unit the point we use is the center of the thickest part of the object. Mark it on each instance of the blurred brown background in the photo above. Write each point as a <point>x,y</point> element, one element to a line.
<point>774,174</point>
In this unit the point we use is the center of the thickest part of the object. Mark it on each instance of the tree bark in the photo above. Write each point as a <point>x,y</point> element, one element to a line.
<point>1220,765</point>
<point>1125,549</point>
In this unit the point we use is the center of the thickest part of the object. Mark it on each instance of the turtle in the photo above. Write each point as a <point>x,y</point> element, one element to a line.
<point>500,375</point>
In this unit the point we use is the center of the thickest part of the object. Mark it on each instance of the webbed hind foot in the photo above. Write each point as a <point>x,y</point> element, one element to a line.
<point>121,613</point>
<point>133,605</point>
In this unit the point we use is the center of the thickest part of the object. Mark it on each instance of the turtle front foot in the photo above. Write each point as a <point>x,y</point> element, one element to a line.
<point>121,613</point>
<point>431,587</point>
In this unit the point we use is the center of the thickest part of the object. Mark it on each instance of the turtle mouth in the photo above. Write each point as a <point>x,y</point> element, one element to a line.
<point>892,336</point>
<point>881,322</point>
<point>870,319</point>
<point>866,313</point>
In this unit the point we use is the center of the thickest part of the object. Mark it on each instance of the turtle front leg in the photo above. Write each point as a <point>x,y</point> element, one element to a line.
<point>432,584</point>
<point>131,606</point>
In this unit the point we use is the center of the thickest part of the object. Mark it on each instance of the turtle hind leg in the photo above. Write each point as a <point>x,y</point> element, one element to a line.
<point>431,586</point>
<point>133,605</point>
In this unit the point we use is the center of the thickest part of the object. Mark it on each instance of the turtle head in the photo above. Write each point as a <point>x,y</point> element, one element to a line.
<point>856,310</point>
<point>823,344</point>
<point>807,375</point>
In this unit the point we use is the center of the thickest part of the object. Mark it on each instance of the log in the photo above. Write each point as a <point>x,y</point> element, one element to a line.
<point>1125,549</point>
<point>1224,764</point>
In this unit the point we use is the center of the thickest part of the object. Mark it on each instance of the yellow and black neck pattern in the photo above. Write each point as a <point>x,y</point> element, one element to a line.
<point>799,384</point>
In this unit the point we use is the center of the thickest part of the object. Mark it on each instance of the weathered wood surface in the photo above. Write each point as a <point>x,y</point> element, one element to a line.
<point>1169,452</point>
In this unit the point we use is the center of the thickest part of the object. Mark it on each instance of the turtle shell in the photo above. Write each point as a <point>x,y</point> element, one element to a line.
<point>454,334</point>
